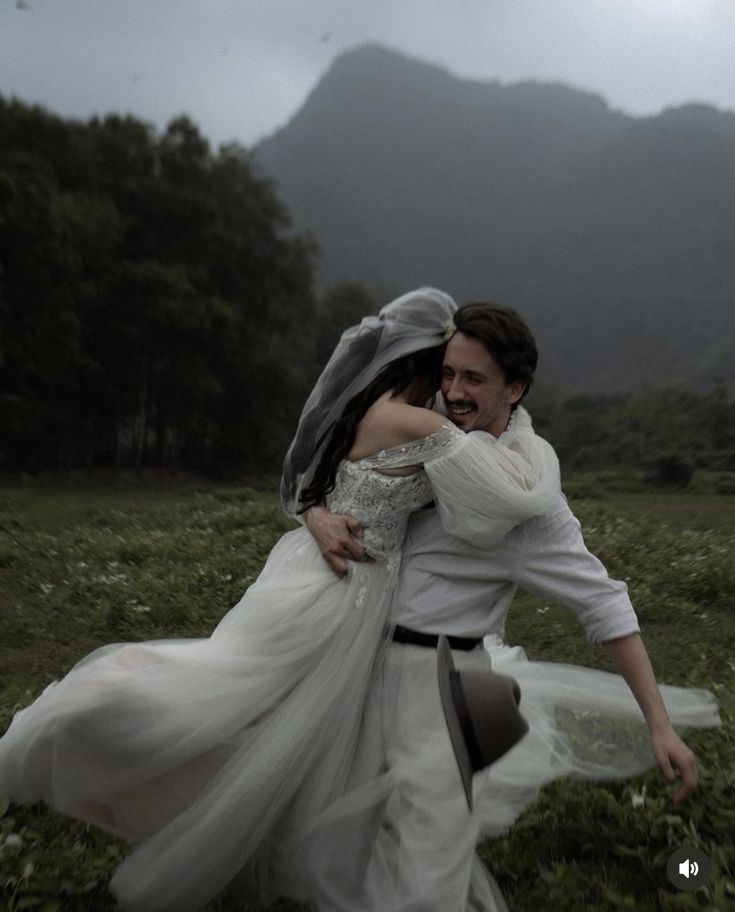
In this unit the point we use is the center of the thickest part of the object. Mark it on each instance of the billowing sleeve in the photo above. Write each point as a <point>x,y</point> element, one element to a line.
<point>485,486</point>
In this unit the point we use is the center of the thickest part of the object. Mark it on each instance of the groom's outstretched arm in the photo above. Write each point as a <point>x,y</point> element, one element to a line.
<point>676,760</point>
<point>337,536</point>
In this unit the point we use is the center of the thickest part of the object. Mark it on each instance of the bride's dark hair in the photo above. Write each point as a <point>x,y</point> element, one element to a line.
<point>395,377</point>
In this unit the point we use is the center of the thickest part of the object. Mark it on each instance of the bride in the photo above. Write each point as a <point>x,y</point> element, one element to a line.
<point>215,758</point>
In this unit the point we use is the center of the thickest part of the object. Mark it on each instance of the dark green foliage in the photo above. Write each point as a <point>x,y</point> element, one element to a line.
<point>668,432</point>
<point>342,306</point>
<point>150,298</point>
<point>671,471</point>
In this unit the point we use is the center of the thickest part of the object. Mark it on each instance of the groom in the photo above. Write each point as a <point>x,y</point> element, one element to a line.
<point>448,587</point>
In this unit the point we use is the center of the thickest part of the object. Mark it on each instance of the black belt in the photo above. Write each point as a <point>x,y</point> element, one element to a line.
<point>431,640</point>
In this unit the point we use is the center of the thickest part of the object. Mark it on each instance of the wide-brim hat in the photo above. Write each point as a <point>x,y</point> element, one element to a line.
<point>481,709</point>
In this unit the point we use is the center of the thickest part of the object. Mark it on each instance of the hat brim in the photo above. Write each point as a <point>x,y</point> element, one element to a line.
<point>446,671</point>
<point>481,710</point>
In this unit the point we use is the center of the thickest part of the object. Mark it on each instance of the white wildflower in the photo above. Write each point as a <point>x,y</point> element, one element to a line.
<point>110,579</point>
<point>638,799</point>
<point>28,870</point>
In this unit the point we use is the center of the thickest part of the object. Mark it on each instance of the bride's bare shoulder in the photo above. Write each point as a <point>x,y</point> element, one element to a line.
<point>391,422</point>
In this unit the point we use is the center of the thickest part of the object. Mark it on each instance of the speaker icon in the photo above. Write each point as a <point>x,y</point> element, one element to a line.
<point>687,867</point>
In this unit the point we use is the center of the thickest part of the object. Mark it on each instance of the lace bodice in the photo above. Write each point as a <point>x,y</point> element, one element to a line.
<point>384,503</point>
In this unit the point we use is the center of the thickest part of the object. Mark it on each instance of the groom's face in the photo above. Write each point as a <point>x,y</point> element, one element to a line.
<point>475,391</point>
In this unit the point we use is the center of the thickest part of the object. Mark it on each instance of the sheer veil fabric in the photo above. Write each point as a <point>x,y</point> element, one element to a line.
<point>417,320</point>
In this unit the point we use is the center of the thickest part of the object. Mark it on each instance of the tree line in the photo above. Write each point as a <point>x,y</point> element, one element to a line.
<point>157,309</point>
<point>665,432</point>
<point>153,304</point>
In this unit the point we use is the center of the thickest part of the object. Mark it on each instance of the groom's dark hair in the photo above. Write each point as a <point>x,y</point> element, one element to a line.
<point>505,335</point>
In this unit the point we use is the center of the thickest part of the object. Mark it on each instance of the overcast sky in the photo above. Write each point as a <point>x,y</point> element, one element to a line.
<point>242,68</point>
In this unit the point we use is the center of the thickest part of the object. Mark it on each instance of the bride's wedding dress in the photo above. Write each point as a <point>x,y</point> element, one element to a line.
<point>216,758</point>
<point>212,755</point>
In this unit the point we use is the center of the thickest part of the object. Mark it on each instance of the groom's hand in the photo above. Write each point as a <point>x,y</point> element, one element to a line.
<point>336,535</point>
<point>677,762</point>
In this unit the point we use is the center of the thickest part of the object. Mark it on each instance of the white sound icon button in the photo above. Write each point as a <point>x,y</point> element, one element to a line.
<point>688,868</point>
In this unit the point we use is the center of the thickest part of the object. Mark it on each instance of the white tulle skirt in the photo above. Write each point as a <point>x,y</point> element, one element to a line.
<point>212,756</point>
<point>234,761</point>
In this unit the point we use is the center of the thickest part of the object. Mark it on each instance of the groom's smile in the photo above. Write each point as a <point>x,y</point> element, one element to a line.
<point>459,410</point>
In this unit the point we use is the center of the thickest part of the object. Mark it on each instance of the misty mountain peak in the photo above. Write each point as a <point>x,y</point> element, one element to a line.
<point>614,235</point>
<point>376,61</point>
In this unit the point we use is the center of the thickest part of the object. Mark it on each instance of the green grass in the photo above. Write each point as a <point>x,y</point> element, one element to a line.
<point>583,846</point>
<point>84,566</point>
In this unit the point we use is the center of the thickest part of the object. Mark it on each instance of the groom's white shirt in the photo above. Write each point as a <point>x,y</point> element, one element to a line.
<point>448,586</point>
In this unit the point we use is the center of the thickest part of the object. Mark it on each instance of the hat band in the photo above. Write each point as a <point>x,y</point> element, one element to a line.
<point>465,723</point>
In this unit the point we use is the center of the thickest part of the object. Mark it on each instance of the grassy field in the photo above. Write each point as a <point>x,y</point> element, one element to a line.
<point>80,567</point>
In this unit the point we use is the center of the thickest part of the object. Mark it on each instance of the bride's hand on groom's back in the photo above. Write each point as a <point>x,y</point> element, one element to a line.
<point>337,536</point>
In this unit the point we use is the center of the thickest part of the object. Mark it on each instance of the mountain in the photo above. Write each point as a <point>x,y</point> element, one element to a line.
<point>613,235</point>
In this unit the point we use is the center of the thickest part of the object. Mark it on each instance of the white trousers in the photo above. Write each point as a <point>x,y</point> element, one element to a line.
<point>415,851</point>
